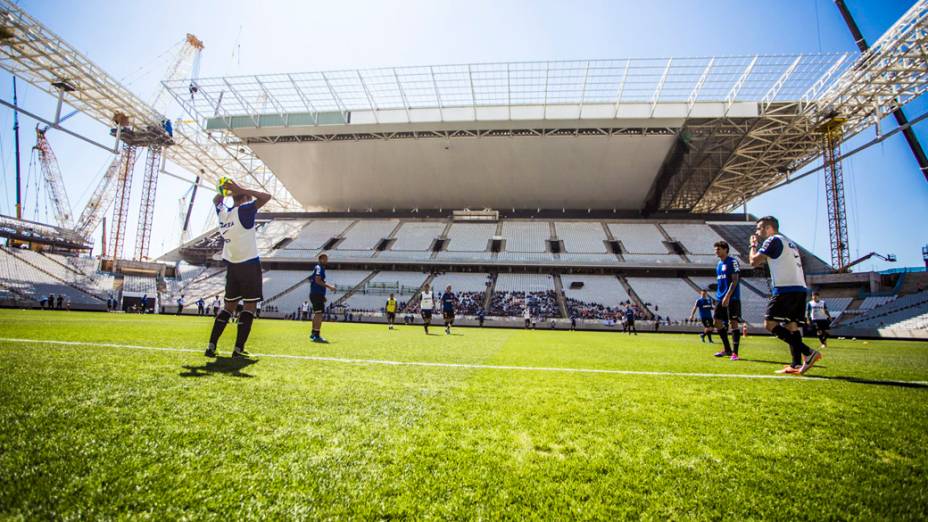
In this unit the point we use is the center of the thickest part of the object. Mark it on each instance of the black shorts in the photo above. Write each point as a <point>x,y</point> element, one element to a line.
<point>448,315</point>
<point>732,312</point>
<point>630,322</point>
<point>787,308</point>
<point>243,282</point>
<point>427,315</point>
<point>318,302</point>
<point>391,316</point>
<point>822,325</point>
<point>708,323</point>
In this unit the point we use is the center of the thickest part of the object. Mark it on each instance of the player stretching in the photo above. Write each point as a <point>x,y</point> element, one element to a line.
<point>391,311</point>
<point>788,294</point>
<point>426,304</point>
<point>728,293</point>
<point>819,316</point>
<point>704,305</point>
<point>243,267</point>
<point>317,288</point>
<point>447,308</point>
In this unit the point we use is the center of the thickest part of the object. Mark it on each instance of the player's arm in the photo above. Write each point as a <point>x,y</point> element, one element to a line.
<point>261,198</point>
<point>321,282</point>
<point>735,279</point>
<point>217,199</point>
<point>827,313</point>
<point>809,313</point>
<point>693,311</point>
<point>756,259</point>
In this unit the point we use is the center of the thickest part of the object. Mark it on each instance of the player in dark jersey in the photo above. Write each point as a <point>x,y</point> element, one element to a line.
<point>728,293</point>
<point>630,320</point>
<point>704,306</point>
<point>448,300</point>
<point>317,289</point>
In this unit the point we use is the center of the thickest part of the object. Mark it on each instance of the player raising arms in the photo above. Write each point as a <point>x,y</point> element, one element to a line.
<point>728,293</point>
<point>240,253</point>
<point>391,311</point>
<point>426,305</point>
<point>448,299</point>
<point>788,295</point>
<point>704,306</point>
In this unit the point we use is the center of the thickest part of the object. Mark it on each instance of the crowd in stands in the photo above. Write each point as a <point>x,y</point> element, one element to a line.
<point>513,304</point>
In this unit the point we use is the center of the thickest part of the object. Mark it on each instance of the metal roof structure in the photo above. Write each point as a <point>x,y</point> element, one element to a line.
<point>32,52</point>
<point>744,124</point>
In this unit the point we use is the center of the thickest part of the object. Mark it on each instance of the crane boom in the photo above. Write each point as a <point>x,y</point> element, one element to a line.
<point>99,201</point>
<point>52,174</point>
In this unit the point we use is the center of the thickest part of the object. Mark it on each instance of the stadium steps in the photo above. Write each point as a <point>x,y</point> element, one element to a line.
<point>391,235</point>
<point>69,268</point>
<point>634,296</point>
<point>341,300</point>
<point>488,298</point>
<point>669,239</point>
<point>752,288</point>
<point>444,236</point>
<point>693,285</point>
<point>559,292</point>
<point>287,290</point>
<point>611,237</point>
<point>62,281</point>
<point>412,303</point>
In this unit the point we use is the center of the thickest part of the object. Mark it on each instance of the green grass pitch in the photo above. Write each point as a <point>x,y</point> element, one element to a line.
<point>651,427</point>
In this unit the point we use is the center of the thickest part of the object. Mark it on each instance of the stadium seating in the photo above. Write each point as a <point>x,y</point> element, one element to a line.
<point>599,298</point>
<point>639,238</point>
<point>417,236</point>
<point>582,237</point>
<point>271,233</point>
<point>907,309</point>
<point>871,302</point>
<point>373,296</point>
<point>141,285</point>
<point>514,292</point>
<point>20,277</point>
<point>525,236</point>
<point>344,280</point>
<point>668,297</point>
<point>696,238</point>
<point>470,237</point>
<point>366,234</point>
<point>317,233</point>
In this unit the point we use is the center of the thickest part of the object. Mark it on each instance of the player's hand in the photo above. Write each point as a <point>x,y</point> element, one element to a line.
<point>725,301</point>
<point>754,240</point>
<point>232,187</point>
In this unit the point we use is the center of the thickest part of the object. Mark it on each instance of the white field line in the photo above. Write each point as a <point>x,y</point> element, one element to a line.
<point>439,364</point>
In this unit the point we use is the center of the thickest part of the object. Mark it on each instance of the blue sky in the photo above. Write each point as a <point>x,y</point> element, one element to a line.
<point>886,195</point>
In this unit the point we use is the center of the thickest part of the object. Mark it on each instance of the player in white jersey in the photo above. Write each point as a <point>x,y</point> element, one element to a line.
<point>243,267</point>
<point>819,317</point>
<point>426,305</point>
<point>786,308</point>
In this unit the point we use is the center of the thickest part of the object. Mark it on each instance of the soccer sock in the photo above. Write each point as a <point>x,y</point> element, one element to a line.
<point>736,339</point>
<point>315,333</point>
<point>709,336</point>
<point>802,347</point>
<point>218,326</point>
<point>723,333</point>
<point>822,336</point>
<point>244,328</point>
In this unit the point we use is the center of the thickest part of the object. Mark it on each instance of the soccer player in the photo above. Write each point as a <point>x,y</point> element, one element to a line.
<point>216,305</point>
<point>426,304</point>
<point>304,309</point>
<point>391,311</point>
<point>317,288</point>
<point>180,303</point>
<point>788,294</point>
<point>728,294</point>
<point>527,315</point>
<point>704,306</point>
<point>630,320</point>
<point>201,305</point>
<point>243,267</point>
<point>818,315</point>
<point>447,308</point>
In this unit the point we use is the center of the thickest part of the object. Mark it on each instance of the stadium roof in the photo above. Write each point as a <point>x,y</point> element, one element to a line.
<point>697,134</point>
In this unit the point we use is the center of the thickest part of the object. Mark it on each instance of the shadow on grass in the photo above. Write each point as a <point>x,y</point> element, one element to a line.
<point>778,363</point>
<point>874,382</point>
<point>231,366</point>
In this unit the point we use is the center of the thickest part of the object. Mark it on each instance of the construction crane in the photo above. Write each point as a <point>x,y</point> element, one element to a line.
<point>832,131</point>
<point>52,174</point>
<point>99,201</point>
<point>889,258</point>
<point>187,58</point>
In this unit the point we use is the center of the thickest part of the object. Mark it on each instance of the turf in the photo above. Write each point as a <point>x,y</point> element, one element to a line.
<point>89,431</point>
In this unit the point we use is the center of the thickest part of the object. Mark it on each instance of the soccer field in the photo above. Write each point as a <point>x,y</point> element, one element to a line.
<point>126,418</point>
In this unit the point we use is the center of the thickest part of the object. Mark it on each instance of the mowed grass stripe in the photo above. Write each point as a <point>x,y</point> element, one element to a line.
<point>444,365</point>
